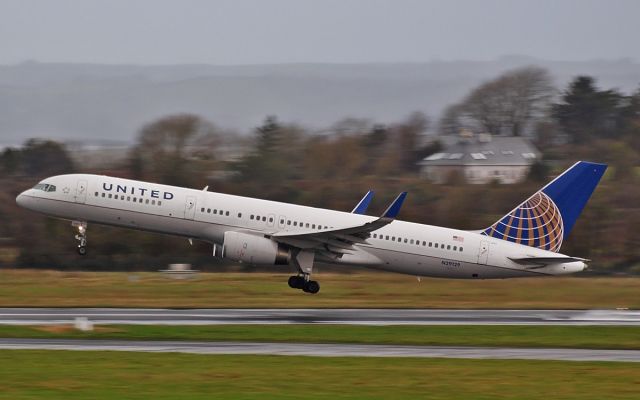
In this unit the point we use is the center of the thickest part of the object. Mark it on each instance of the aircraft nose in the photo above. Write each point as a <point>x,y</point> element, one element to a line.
<point>21,200</point>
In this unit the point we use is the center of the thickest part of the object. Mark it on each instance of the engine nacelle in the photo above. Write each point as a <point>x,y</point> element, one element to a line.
<point>252,249</point>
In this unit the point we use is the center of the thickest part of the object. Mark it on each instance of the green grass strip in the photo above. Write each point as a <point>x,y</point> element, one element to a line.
<point>592,337</point>
<point>70,375</point>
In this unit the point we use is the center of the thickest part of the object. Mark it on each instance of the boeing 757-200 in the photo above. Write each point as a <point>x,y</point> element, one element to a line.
<point>525,242</point>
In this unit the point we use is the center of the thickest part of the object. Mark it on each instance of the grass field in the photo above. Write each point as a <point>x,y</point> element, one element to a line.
<point>588,337</point>
<point>260,290</point>
<point>31,374</point>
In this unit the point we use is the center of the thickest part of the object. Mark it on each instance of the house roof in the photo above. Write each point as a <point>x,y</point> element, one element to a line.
<point>484,150</point>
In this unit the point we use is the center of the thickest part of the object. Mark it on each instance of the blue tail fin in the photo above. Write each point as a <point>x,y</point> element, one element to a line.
<point>545,219</point>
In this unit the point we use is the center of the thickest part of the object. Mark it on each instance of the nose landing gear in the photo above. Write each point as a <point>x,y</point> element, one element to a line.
<point>81,236</point>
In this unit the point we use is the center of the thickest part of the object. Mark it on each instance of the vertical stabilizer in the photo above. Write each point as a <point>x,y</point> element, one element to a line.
<point>545,219</point>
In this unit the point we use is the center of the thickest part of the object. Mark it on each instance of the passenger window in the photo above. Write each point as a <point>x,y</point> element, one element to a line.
<point>455,248</point>
<point>103,194</point>
<point>215,211</point>
<point>448,247</point>
<point>122,197</point>
<point>96,194</point>
<point>264,219</point>
<point>239,215</point>
<point>140,200</point>
<point>146,201</point>
<point>313,226</point>
<point>159,203</point>
<point>306,225</point>
<point>288,222</point>
<point>386,237</point>
<point>374,236</point>
<point>405,240</point>
<point>270,219</point>
<point>153,202</point>
<point>411,241</point>
<point>460,248</point>
<point>209,210</point>
<point>393,238</point>
<point>429,244</point>
<point>202,209</point>
<point>251,216</point>
<point>424,243</point>
<point>128,198</point>
<point>226,213</point>
<point>110,195</point>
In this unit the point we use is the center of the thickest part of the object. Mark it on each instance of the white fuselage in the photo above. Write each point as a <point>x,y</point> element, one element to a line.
<point>403,247</point>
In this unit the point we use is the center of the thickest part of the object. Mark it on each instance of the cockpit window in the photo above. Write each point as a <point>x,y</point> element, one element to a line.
<point>45,187</point>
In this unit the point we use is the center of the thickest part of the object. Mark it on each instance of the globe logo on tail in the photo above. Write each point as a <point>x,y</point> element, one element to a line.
<point>537,223</point>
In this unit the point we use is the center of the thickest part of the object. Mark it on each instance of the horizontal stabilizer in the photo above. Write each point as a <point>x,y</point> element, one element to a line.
<point>544,261</point>
<point>362,206</point>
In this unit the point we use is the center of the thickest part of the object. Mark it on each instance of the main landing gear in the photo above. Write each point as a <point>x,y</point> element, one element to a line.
<point>303,260</point>
<point>81,236</point>
<point>303,282</point>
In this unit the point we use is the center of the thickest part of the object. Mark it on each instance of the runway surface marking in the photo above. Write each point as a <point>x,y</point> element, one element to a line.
<point>322,350</point>
<point>44,316</point>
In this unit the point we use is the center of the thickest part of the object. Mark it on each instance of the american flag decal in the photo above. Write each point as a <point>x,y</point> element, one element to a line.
<point>458,238</point>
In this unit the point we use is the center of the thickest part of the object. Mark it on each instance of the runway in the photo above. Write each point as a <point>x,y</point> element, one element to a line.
<point>137,316</point>
<point>321,350</point>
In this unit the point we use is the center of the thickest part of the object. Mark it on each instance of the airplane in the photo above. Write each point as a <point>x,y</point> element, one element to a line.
<point>523,243</point>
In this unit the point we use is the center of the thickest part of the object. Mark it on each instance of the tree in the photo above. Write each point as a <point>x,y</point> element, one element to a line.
<point>45,157</point>
<point>585,112</point>
<point>409,140</point>
<point>167,149</point>
<point>506,105</point>
<point>275,157</point>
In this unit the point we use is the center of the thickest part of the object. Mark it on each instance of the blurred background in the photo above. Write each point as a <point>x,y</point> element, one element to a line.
<point>469,106</point>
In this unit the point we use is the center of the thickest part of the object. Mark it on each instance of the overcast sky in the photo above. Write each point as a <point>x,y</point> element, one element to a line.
<point>335,31</point>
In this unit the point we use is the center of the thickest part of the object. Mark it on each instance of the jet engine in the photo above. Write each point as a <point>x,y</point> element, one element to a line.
<point>252,249</point>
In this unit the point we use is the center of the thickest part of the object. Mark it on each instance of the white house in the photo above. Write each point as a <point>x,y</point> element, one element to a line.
<point>481,159</point>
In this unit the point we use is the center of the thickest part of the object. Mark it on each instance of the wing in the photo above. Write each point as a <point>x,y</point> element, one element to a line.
<point>336,242</point>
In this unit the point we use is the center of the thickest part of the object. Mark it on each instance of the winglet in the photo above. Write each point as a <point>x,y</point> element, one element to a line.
<point>393,209</point>
<point>362,206</point>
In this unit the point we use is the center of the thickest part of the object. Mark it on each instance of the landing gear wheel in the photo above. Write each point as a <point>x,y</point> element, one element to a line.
<point>296,282</point>
<point>312,287</point>
<point>81,236</point>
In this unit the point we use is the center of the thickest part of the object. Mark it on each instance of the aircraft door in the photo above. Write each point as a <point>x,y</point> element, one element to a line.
<point>81,191</point>
<point>483,252</point>
<point>190,207</point>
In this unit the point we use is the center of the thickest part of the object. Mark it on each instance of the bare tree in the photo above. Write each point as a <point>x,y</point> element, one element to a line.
<point>168,147</point>
<point>506,105</point>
